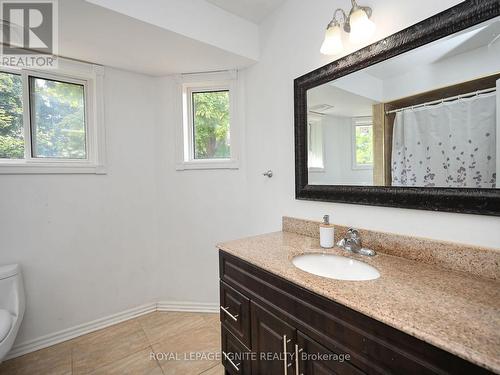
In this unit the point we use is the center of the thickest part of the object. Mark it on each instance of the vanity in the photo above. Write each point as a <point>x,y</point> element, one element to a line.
<point>416,318</point>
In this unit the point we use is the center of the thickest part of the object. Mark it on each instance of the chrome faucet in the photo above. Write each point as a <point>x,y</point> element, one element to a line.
<point>352,242</point>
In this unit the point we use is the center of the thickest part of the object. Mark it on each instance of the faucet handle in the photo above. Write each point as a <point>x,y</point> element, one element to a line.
<point>353,233</point>
<point>354,236</point>
<point>352,242</point>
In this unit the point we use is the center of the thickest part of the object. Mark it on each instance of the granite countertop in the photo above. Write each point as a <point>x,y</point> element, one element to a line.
<point>454,311</point>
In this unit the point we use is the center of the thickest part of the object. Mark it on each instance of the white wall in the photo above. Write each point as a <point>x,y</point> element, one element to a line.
<point>198,208</point>
<point>88,243</point>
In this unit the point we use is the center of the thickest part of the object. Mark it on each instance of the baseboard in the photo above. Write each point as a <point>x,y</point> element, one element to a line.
<point>82,329</point>
<point>188,307</point>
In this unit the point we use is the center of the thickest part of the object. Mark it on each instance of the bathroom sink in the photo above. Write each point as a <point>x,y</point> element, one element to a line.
<point>335,267</point>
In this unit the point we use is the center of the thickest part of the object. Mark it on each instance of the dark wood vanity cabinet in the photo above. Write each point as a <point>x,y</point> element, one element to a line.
<point>273,339</point>
<point>271,326</point>
<point>323,360</point>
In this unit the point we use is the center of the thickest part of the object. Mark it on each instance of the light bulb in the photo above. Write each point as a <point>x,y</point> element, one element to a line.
<point>362,28</point>
<point>332,45</point>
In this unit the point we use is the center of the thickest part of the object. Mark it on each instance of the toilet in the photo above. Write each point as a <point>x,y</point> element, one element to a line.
<point>12,304</point>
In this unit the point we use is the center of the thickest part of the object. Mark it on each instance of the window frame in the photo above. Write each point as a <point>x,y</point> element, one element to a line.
<point>90,76</point>
<point>315,121</point>
<point>355,122</point>
<point>186,85</point>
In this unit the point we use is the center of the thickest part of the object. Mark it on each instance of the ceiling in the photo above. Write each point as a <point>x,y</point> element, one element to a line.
<point>488,36</point>
<point>344,103</point>
<point>252,10</point>
<point>92,33</point>
<point>459,43</point>
<point>163,37</point>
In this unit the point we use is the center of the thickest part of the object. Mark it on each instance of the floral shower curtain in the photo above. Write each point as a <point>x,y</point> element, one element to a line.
<point>452,144</point>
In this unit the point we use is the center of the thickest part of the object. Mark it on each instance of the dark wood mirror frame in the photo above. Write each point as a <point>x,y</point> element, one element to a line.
<point>461,200</point>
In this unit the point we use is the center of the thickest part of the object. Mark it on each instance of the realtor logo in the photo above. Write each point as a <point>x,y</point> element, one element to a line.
<point>29,33</point>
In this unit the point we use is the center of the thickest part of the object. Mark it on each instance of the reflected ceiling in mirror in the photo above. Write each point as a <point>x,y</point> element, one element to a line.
<point>426,118</point>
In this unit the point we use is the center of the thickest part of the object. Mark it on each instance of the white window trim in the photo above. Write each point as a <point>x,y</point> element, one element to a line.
<point>315,120</point>
<point>187,83</point>
<point>359,121</point>
<point>92,77</point>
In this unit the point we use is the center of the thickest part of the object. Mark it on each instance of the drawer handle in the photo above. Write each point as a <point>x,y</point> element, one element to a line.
<point>226,310</point>
<point>297,351</point>
<point>285,359</point>
<point>236,366</point>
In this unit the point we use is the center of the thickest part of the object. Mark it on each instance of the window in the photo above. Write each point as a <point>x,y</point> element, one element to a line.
<point>315,144</point>
<point>362,143</point>
<point>209,123</point>
<point>211,136</point>
<point>48,120</point>
<point>57,119</point>
<point>11,116</point>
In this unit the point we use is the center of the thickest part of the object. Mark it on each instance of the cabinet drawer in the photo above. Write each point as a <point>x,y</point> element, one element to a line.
<point>235,312</point>
<point>314,359</point>
<point>236,358</point>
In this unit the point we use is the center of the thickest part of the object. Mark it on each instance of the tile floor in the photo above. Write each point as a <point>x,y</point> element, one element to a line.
<point>126,348</point>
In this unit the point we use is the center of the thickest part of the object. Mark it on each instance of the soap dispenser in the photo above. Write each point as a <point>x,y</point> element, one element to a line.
<point>326,233</point>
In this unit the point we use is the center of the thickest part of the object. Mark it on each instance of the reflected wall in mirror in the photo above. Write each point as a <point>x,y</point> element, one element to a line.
<point>426,118</point>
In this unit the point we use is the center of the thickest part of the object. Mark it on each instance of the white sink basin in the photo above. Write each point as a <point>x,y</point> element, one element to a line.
<point>335,267</point>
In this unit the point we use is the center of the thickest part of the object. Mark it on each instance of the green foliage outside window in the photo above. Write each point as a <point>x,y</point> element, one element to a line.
<point>59,121</point>
<point>211,125</point>
<point>11,116</point>
<point>364,145</point>
<point>57,118</point>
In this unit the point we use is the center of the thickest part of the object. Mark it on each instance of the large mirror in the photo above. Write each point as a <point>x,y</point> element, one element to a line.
<point>427,118</point>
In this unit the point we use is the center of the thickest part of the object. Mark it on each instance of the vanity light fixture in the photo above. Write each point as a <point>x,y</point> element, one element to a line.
<point>332,45</point>
<point>358,25</point>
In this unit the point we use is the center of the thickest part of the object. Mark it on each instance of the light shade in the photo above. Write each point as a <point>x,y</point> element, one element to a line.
<point>332,45</point>
<point>361,26</point>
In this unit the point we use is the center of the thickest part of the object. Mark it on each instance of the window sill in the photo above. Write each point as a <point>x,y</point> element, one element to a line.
<point>316,170</point>
<point>207,164</point>
<point>362,167</point>
<point>51,168</point>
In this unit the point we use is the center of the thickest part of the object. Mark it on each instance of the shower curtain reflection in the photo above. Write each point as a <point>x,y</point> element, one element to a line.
<point>452,144</point>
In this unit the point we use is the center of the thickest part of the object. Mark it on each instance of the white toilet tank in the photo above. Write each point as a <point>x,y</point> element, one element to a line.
<point>12,296</point>
<point>12,305</point>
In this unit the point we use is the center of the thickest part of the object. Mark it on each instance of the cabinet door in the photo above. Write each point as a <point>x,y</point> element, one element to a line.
<point>314,359</point>
<point>272,341</point>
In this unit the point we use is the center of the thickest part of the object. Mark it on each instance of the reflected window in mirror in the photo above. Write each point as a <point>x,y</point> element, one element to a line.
<point>362,143</point>
<point>315,145</point>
